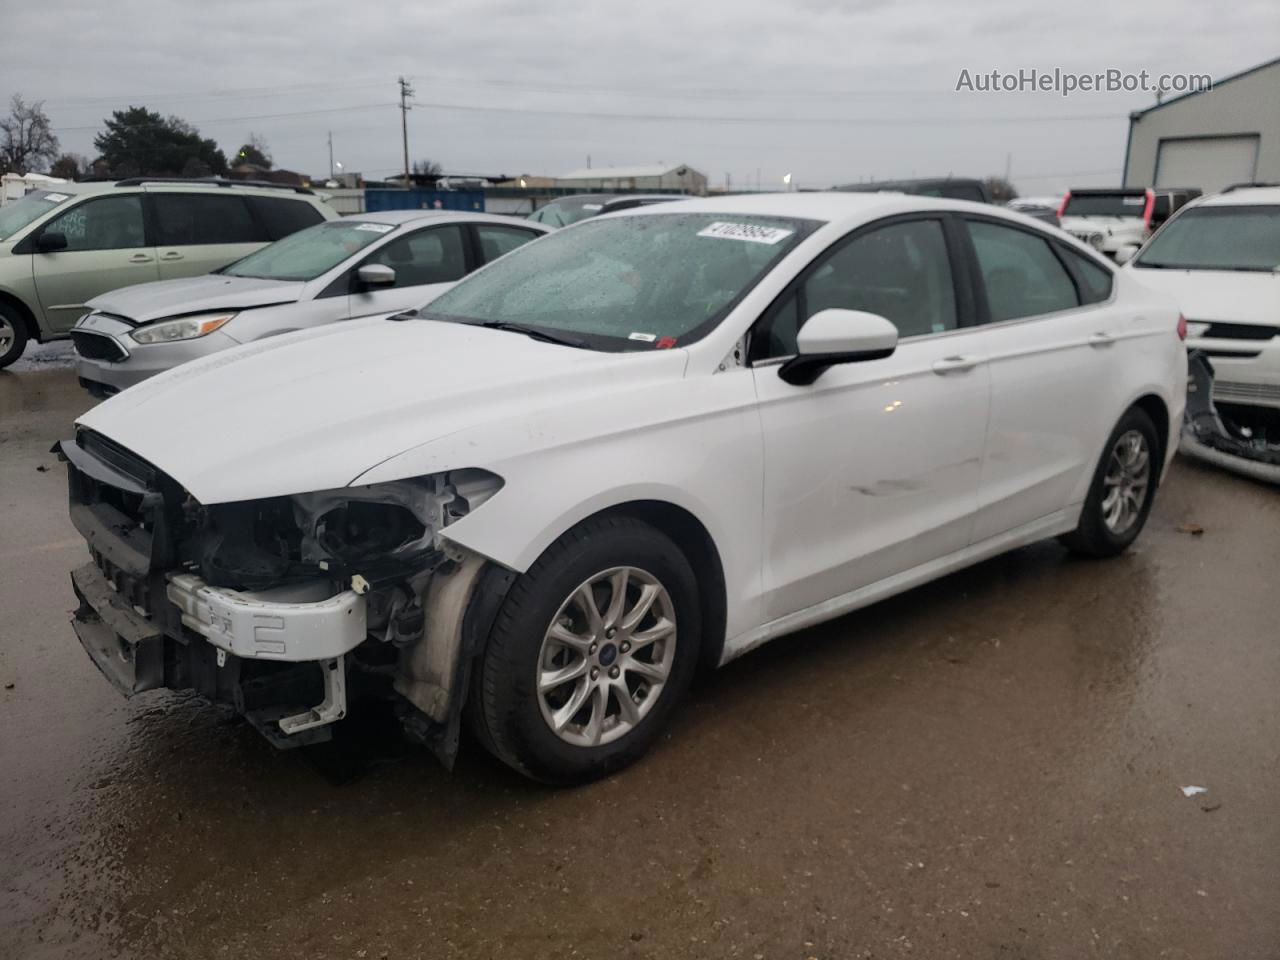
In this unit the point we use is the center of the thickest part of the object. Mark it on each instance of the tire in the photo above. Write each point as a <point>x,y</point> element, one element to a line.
<point>13,335</point>
<point>1097,535</point>
<point>516,715</point>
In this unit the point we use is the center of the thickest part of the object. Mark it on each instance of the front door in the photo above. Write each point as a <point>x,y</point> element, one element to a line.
<point>873,469</point>
<point>427,262</point>
<point>106,249</point>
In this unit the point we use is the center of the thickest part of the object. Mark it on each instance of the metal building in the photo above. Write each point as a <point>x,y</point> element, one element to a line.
<point>659,176</point>
<point>1212,138</point>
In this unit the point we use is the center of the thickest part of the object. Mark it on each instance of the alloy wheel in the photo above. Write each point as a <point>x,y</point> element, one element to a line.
<point>1125,482</point>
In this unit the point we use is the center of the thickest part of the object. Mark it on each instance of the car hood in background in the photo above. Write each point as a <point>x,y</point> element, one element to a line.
<point>1227,296</point>
<point>145,302</point>
<point>314,410</point>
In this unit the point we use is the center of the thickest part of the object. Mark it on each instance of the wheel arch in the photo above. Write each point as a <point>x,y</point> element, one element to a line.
<point>25,314</point>
<point>1154,407</point>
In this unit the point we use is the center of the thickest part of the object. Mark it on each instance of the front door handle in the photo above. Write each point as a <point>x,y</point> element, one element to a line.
<point>1101,339</point>
<point>140,258</point>
<point>957,364</point>
<point>171,255</point>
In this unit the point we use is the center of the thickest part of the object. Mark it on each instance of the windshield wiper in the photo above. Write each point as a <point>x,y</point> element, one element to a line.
<point>535,333</point>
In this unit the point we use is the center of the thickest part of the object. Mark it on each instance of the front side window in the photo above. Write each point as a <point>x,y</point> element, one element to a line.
<point>14,216</point>
<point>1217,238</point>
<point>428,256</point>
<point>900,271</point>
<point>496,241</point>
<point>1022,275</point>
<point>627,283</point>
<point>308,253</point>
<point>200,219</point>
<point>107,223</point>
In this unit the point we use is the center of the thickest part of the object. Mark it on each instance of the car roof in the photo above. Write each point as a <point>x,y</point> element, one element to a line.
<point>398,217</point>
<point>827,205</point>
<point>1241,196</point>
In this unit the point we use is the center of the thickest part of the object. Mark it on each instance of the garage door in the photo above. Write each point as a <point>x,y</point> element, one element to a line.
<point>1209,163</point>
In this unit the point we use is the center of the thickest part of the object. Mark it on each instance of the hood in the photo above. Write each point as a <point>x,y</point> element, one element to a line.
<point>145,302</point>
<point>314,410</point>
<point>1227,296</point>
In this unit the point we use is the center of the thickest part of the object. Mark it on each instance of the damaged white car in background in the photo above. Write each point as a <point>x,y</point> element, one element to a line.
<point>649,441</point>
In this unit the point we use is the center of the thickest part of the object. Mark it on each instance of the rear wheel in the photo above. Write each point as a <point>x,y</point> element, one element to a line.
<point>1123,488</point>
<point>590,653</point>
<point>13,335</point>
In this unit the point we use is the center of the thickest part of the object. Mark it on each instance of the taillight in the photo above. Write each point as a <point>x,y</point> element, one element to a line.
<point>1147,210</point>
<point>1062,207</point>
<point>1182,327</point>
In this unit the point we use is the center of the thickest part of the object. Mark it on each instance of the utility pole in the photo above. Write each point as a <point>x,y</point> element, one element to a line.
<point>330,154</point>
<point>406,92</point>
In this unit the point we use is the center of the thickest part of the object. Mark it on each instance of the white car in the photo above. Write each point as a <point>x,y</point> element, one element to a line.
<point>1111,219</point>
<point>1219,259</point>
<point>651,440</point>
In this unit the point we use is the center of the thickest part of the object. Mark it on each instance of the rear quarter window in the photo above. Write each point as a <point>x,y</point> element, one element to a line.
<point>1095,279</point>
<point>282,216</point>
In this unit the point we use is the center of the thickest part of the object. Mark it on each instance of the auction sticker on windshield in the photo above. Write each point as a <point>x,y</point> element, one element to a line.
<point>54,197</point>
<point>751,232</point>
<point>376,227</point>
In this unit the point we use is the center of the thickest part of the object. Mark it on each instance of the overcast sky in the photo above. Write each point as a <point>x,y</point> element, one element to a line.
<point>830,91</point>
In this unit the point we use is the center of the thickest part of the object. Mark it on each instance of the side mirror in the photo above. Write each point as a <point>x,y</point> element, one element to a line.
<point>836,336</point>
<point>1124,252</point>
<point>376,275</point>
<point>51,241</point>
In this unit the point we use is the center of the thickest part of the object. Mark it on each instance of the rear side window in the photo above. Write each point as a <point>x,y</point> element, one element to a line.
<point>428,256</point>
<point>1022,276</point>
<point>1096,280</point>
<point>202,219</point>
<point>282,216</point>
<point>495,240</point>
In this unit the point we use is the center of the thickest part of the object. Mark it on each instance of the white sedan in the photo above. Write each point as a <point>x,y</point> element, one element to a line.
<point>651,440</point>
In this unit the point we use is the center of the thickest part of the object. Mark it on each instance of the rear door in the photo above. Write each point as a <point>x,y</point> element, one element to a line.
<point>106,249</point>
<point>427,262</point>
<point>196,233</point>
<point>494,240</point>
<point>1055,343</point>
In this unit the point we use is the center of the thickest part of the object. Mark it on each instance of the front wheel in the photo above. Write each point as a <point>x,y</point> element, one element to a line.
<point>13,335</point>
<point>1123,489</point>
<point>590,654</point>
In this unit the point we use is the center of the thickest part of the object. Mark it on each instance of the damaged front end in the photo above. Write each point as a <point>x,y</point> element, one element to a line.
<point>1241,440</point>
<point>289,608</point>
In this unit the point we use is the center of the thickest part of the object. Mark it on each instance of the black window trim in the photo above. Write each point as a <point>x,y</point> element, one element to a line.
<point>953,235</point>
<point>983,312</point>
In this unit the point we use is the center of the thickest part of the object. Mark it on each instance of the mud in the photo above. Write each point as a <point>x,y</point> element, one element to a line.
<point>987,766</point>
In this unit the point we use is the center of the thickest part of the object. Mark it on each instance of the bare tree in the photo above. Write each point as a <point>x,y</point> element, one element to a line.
<point>1002,191</point>
<point>427,168</point>
<point>26,139</point>
<point>70,166</point>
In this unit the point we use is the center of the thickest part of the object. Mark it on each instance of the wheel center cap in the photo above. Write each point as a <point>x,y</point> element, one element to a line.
<point>608,654</point>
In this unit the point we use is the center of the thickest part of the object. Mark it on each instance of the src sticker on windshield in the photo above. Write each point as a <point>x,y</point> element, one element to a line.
<point>750,232</point>
<point>646,337</point>
<point>375,227</point>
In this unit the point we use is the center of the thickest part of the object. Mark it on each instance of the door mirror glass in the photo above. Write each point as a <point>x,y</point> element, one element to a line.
<point>835,336</point>
<point>376,275</point>
<point>1125,252</point>
<point>51,241</point>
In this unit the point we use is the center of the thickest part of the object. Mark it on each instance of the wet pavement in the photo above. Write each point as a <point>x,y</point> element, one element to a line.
<point>989,766</point>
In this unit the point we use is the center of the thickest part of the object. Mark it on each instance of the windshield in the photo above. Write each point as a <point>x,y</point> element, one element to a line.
<point>14,216</point>
<point>1105,205</point>
<point>1217,238</point>
<point>626,283</point>
<point>308,253</point>
<point>560,213</point>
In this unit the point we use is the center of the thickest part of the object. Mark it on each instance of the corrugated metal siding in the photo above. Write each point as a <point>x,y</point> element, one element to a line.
<point>469,200</point>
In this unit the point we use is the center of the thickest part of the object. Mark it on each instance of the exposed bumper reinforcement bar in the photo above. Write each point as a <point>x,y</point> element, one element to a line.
<point>296,623</point>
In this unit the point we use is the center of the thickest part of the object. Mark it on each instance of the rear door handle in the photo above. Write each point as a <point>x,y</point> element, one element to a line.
<point>171,255</point>
<point>959,364</point>
<point>1101,339</point>
<point>140,258</point>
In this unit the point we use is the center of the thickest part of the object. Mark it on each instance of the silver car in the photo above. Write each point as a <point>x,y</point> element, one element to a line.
<point>358,266</point>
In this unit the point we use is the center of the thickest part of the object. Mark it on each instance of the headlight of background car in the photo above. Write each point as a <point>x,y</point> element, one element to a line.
<point>181,328</point>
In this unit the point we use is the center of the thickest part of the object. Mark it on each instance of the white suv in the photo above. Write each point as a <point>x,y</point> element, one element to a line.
<point>1220,260</point>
